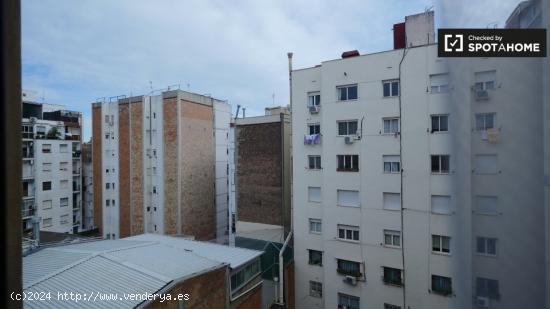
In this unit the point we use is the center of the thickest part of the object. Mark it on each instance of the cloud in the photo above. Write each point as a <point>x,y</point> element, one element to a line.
<point>77,51</point>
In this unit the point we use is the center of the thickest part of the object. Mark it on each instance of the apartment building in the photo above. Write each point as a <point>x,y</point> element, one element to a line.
<point>52,199</point>
<point>87,188</point>
<point>418,182</point>
<point>160,165</point>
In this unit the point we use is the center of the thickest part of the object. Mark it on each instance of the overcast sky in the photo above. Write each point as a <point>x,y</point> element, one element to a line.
<point>77,51</point>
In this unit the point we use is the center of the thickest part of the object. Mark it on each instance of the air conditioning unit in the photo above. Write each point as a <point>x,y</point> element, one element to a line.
<point>482,302</point>
<point>349,140</point>
<point>314,109</point>
<point>351,280</point>
<point>482,95</point>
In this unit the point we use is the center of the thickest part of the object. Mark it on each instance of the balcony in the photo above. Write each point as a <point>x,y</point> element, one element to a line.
<point>312,139</point>
<point>27,209</point>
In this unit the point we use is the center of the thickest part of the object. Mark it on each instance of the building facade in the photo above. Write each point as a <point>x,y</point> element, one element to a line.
<point>51,170</point>
<point>156,162</point>
<point>417,181</point>
<point>87,188</point>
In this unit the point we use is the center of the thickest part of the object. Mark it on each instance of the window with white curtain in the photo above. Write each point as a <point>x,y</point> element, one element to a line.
<point>391,201</point>
<point>441,204</point>
<point>314,194</point>
<point>348,198</point>
<point>486,164</point>
<point>392,163</point>
<point>439,83</point>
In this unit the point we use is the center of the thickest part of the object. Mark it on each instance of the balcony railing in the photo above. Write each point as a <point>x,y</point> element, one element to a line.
<point>27,208</point>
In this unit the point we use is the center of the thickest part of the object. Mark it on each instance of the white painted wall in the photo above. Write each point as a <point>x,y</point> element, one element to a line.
<point>222,116</point>
<point>110,162</point>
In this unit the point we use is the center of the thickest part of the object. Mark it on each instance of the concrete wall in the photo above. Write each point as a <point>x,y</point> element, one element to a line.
<point>97,166</point>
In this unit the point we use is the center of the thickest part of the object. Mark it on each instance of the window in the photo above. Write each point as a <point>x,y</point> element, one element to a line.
<point>486,246</point>
<point>47,204</point>
<point>390,88</point>
<point>391,125</point>
<point>390,306</point>
<point>46,167</point>
<point>107,171</point>
<point>315,257</point>
<point>486,164</point>
<point>441,204</point>
<point>440,123</point>
<point>442,285</point>
<point>64,184</point>
<point>315,289</point>
<point>349,268</point>
<point>64,219</point>
<point>348,198</point>
<point>392,238</point>
<point>392,163</point>
<point>485,121</point>
<point>63,148</point>
<point>155,189</point>
<point>314,129</point>
<point>314,194</point>
<point>347,163</point>
<point>347,127</point>
<point>440,164</point>
<point>392,276</point>
<point>106,118</point>
<point>346,93</point>
<point>485,80</point>
<point>46,185</point>
<point>107,135</point>
<point>348,232</point>
<point>113,185</point>
<point>348,301</point>
<point>439,83</point>
<point>107,203</point>
<point>391,201</point>
<point>315,226</point>
<point>107,186</point>
<point>314,99</point>
<point>441,244</point>
<point>46,222</point>
<point>314,162</point>
<point>63,166</point>
<point>113,202</point>
<point>46,148</point>
<point>64,202</point>
<point>487,288</point>
<point>486,205</point>
<point>244,275</point>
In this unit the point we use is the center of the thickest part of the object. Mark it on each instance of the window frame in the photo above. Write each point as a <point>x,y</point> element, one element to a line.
<point>316,96</point>
<point>389,279</point>
<point>489,294</point>
<point>352,158</point>
<point>392,234</point>
<point>391,120</point>
<point>440,244</point>
<point>391,164</point>
<point>315,222</point>
<point>347,123</point>
<point>439,130</point>
<point>444,292</point>
<point>316,162</point>
<point>312,251</point>
<point>347,87</point>
<point>485,241</point>
<point>46,182</point>
<point>485,127</point>
<point>348,230</point>
<point>440,170</point>
<point>46,148</point>
<point>315,127</point>
<point>390,83</point>
<point>315,289</point>
<point>342,271</point>
<point>349,299</point>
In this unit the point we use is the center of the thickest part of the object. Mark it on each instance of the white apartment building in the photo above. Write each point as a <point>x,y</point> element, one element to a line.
<point>418,182</point>
<point>51,169</point>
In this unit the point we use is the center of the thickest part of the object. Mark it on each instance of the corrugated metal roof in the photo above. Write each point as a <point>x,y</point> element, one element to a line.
<point>139,264</point>
<point>233,256</point>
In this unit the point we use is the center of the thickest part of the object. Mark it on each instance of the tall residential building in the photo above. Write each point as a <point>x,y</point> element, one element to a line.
<point>87,188</point>
<point>418,182</point>
<point>51,169</point>
<point>160,165</point>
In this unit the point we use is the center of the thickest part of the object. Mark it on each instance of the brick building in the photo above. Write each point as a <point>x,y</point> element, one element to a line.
<point>160,165</point>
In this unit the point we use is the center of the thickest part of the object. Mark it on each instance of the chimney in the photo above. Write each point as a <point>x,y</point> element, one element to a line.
<point>349,54</point>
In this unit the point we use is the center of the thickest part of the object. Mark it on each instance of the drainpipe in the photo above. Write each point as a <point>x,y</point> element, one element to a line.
<point>281,296</point>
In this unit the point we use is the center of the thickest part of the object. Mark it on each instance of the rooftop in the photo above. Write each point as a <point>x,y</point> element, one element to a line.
<point>138,264</point>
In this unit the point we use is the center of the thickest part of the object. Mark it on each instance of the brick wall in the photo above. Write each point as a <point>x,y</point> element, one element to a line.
<point>252,300</point>
<point>170,127</point>
<point>197,191</point>
<point>136,166</point>
<point>97,166</point>
<point>124,169</point>
<point>259,163</point>
<point>206,291</point>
